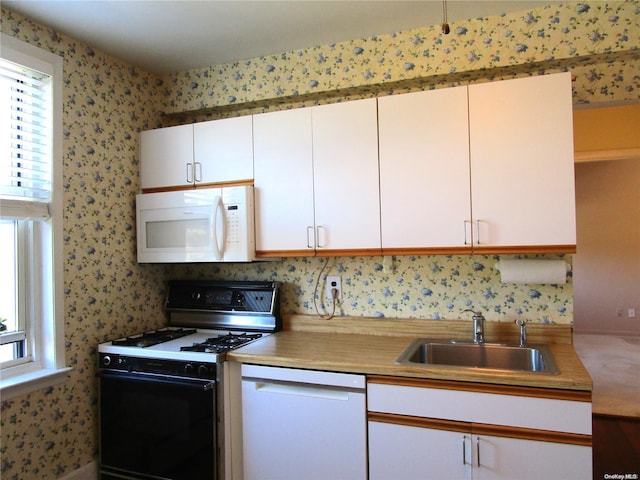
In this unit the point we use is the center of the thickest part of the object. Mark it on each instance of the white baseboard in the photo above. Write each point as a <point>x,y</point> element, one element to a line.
<point>88,472</point>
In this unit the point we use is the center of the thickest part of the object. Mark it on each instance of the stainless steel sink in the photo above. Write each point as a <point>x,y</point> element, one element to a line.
<point>496,356</point>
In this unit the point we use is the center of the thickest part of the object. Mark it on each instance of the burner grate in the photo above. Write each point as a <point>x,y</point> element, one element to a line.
<point>153,338</point>
<point>223,343</point>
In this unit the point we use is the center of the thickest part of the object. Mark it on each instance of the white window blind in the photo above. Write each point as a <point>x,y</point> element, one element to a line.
<point>25,168</point>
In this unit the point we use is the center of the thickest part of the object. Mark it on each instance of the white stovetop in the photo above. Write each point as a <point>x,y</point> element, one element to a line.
<point>170,350</point>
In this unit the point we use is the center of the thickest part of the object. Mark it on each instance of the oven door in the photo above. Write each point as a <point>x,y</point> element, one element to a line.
<point>156,427</point>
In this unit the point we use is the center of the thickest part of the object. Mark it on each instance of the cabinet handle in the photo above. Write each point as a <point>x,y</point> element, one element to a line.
<point>478,449</point>
<point>189,172</point>
<point>466,223</point>
<point>198,171</point>
<point>302,390</point>
<point>310,243</point>
<point>318,237</point>
<point>464,450</point>
<point>477,232</point>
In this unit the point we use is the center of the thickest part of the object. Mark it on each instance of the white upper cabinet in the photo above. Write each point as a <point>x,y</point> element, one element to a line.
<point>522,176</point>
<point>223,150</point>
<point>201,154</point>
<point>346,179</point>
<point>316,179</point>
<point>284,182</point>
<point>424,170</point>
<point>486,168</point>
<point>166,157</point>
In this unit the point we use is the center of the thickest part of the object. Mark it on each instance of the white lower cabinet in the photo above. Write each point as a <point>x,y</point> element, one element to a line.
<point>403,451</point>
<point>411,452</point>
<point>470,441</point>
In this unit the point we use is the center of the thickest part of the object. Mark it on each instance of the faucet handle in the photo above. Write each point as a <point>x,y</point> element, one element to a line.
<point>477,314</point>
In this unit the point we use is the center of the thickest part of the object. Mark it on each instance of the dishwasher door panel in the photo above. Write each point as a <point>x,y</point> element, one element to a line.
<point>303,424</point>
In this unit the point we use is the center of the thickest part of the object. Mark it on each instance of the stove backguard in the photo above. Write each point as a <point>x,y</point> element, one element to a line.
<point>243,306</point>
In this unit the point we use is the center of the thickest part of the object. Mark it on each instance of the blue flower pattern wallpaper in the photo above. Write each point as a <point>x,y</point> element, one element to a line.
<point>49,433</point>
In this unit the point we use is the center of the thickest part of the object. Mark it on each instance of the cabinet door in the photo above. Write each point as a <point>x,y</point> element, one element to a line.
<point>521,140</point>
<point>346,180</point>
<point>424,169</point>
<point>166,157</point>
<point>283,182</point>
<point>498,458</point>
<point>408,452</point>
<point>223,150</point>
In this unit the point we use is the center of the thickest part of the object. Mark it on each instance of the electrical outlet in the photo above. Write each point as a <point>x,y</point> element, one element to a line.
<point>334,282</point>
<point>631,313</point>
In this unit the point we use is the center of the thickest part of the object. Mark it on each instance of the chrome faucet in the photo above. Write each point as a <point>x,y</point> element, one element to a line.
<point>523,332</point>
<point>478,326</point>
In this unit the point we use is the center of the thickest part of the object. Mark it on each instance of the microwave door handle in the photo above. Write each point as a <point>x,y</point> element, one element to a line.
<point>219,209</point>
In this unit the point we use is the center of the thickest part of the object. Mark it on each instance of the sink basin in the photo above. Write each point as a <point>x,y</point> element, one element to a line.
<point>496,356</point>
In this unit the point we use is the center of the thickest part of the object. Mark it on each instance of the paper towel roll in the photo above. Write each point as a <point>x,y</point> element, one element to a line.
<point>533,271</point>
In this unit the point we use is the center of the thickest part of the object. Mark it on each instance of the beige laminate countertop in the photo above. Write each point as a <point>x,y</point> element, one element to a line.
<point>310,343</point>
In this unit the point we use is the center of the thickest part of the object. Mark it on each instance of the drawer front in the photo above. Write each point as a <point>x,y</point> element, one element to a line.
<point>475,407</point>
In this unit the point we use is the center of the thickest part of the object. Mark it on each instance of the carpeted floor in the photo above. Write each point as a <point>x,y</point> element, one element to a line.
<point>614,365</point>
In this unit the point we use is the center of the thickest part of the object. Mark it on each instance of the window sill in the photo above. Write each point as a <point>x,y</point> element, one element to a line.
<point>12,386</point>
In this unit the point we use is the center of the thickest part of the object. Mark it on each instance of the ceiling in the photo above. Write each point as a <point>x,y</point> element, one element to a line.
<point>165,36</point>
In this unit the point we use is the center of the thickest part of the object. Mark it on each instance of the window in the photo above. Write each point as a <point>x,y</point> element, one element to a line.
<point>31,303</point>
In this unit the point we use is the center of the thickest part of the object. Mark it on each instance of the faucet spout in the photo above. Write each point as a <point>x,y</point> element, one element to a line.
<point>478,326</point>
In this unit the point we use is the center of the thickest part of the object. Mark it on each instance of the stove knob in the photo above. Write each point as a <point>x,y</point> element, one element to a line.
<point>121,361</point>
<point>202,370</point>
<point>106,360</point>
<point>188,369</point>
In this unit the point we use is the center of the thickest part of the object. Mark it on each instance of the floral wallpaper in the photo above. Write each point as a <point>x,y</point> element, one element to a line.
<point>52,432</point>
<point>432,287</point>
<point>577,35</point>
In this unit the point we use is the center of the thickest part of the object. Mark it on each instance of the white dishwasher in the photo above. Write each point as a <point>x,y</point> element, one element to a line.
<point>303,424</point>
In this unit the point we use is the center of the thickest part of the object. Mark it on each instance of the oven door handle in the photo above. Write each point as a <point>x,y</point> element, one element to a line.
<point>195,383</point>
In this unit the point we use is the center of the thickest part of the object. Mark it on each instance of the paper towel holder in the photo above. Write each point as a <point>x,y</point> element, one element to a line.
<point>533,271</point>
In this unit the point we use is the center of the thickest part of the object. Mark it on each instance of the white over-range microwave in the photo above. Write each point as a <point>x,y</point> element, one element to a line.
<point>201,225</point>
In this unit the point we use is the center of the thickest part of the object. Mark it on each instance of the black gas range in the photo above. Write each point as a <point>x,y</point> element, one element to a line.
<point>206,320</point>
<point>165,404</point>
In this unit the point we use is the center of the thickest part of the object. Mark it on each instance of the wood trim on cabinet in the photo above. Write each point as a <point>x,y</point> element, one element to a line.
<point>420,422</point>
<point>462,250</point>
<point>376,252</point>
<point>168,189</point>
<point>482,429</point>
<point>522,249</point>
<point>234,183</point>
<point>231,183</point>
<point>364,252</point>
<point>284,253</point>
<point>513,390</point>
<point>356,252</point>
<point>532,434</point>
